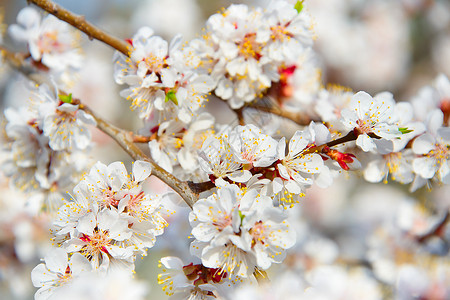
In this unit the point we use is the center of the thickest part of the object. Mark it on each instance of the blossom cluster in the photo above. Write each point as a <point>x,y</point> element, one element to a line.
<point>253,186</point>
<point>109,221</point>
<point>47,142</point>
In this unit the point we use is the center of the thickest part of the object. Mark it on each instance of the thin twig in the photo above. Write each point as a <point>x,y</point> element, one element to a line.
<point>436,231</point>
<point>120,136</point>
<point>142,139</point>
<point>80,23</point>
<point>125,140</point>
<point>299,118</point>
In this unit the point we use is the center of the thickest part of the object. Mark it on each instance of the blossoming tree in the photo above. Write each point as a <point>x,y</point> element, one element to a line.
<point>244,182</point>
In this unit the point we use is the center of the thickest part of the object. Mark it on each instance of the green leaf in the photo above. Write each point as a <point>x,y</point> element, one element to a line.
<point>171,96</point>
<point>242,216</point>
<point>65,98</point>
<point>298,6</point>
<point>405,130</point>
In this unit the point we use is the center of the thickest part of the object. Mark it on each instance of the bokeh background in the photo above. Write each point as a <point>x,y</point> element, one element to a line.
<point>371,45</point>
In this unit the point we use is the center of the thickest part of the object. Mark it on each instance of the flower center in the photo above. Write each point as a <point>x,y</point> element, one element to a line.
<point>96,243</point>
<point>441,153</point>
<point>257,232</point>
<point>49,43</point>
<point>280,33</point>
<point>365,126</point>
<point>249,48</point>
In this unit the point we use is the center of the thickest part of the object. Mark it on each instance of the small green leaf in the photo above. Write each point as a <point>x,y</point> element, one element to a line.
<point>405,130</point>
<point>298,6</point>
<point>242,216</point>
<point>65,98</point>
<point>170,95</point>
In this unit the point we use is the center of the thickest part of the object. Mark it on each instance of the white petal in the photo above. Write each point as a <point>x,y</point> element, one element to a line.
<point>425,167</point>
<point>365,143</point>
<point>141,170</point>
<point>56,260</point>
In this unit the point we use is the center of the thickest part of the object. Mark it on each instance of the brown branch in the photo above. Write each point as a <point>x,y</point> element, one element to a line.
<point>142,139</point>
<point>299,118</point>
<point>122,137</point>
<point>436,231</point>
<point>351,136</point>
<point>125,140</point>
<point>240,114</point>
<point>199,187</point>
<point>80,23</point>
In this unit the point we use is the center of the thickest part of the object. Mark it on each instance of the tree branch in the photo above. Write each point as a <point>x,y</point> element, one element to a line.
<point>299,118</point>
<point>125,140</point>
<point>122,137</point>
<point>80,23</point>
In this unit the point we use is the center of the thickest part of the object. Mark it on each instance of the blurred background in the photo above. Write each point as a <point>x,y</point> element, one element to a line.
<point>371,45</point>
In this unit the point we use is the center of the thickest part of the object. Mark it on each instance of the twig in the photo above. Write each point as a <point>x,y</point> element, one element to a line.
<point>125,140</point>
<point>142,139</point>
<point>240,114</point>
<point>122,137</point>
<point>299,118</point>
<point>436,231</point>
<point>351,136</point>
<point>80,23</point>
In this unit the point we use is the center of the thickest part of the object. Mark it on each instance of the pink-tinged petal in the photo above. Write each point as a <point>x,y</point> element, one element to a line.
<point>425,167</point>
<point>79,263</point>
<point>423,144</point>
<point>365,143</point>
<point>56,260</point>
